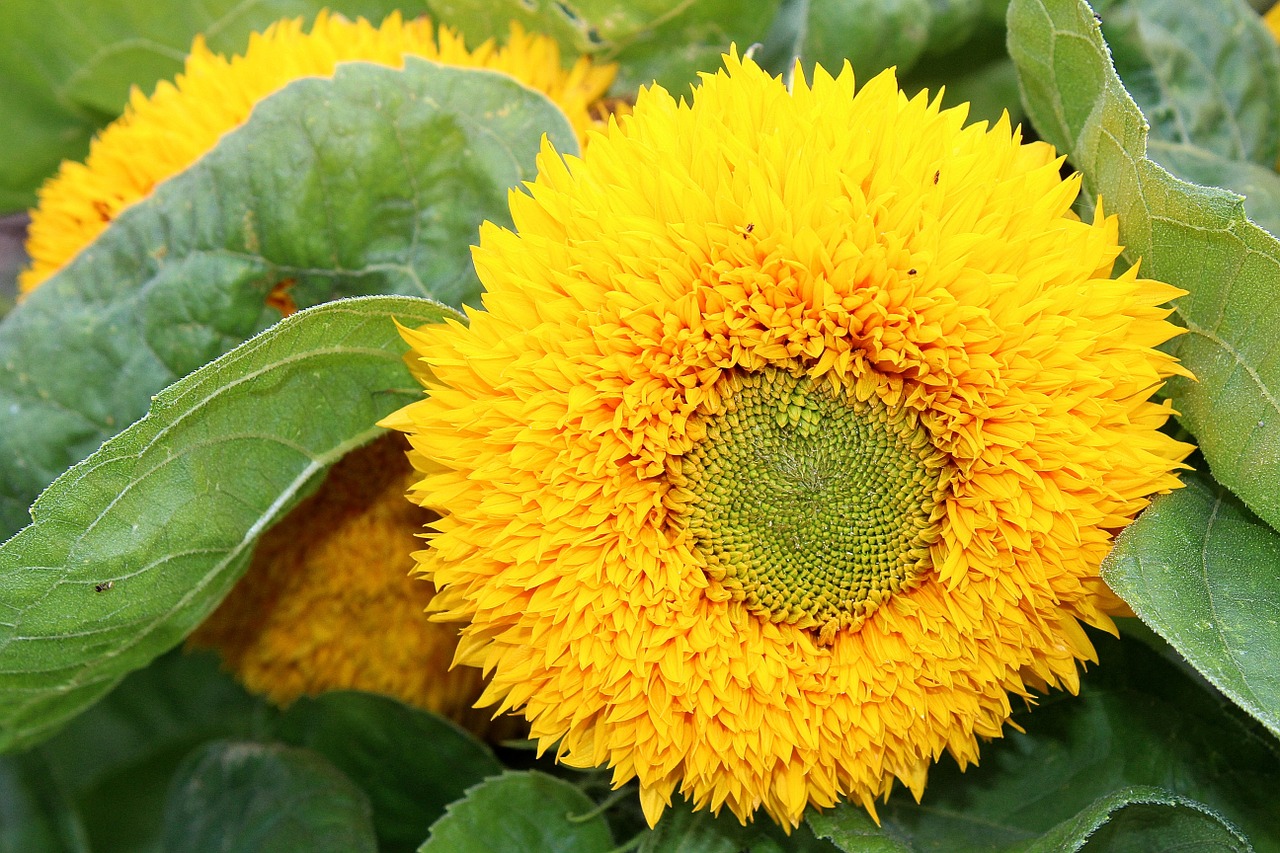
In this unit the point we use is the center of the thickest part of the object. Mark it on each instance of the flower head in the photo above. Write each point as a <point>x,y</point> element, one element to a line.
<point>790,442</point>
<point>328,602</point>
<point>161,135</point>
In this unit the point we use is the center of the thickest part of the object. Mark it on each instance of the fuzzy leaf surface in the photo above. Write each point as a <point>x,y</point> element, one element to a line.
<point>133,547</point>
<point>1205,74</point>
<point>1196,238</point>
<point>373,181</point>
<point>1204,573</point>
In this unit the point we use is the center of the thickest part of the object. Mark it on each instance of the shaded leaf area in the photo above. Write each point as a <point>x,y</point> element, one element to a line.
<point>1143,746</point>
<point>665,40</point>
<point>521,810</point>
<point>1205,74</point>
<point>246,797</point>
<point>36,813</point>
<point>1201,569</point>
<point>977,72</point>
<point>68,65</point>
<point>1194,237</point>
<point>133,547</point>
<point>374,181</point>
<point>116,760</point>
<point>410,763</point>
<point>683,831</point>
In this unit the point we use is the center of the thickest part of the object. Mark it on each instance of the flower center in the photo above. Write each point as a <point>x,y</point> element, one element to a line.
<point>810,506</point>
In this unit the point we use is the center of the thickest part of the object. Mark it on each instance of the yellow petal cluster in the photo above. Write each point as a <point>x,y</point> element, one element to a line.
<point>161,135</point>
<point>876,250</point>
<point>328,602</point>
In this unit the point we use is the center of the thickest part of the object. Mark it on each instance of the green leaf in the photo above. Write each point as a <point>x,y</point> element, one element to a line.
<point>244,797</point>
<point>68,65</point>
<point>132,548</point>
<point>1205,74</point>
<point>410,763</point>
<point>374,181</point>
<point>682,830</point>
<point>521,810</point>
<point>1196,238</point>
<point>1259,185</point>
<point>117,758</point>
<point>1143,747</point>
<point>1204,572</point>
<point>871,34</point>
<point>1142,820</point>
<point>36,813</point>
<point>665,40</point>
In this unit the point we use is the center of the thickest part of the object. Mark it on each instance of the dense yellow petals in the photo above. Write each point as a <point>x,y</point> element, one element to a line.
<point>161,135</point>
<point>878,246</point>
<point>328,602</point>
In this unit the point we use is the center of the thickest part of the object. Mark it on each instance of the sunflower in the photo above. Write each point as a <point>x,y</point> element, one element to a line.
<point>161,135</point>
<point>328,602</point>
<point>788,446</point>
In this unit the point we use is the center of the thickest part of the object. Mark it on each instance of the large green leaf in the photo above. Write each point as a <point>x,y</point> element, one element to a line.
<point>665,40</point>
<point>1197,567</point>
<point>1143,747</point>
<point>410,763</point>
<point>116,760</point>
<point>1194,237</point>
<point>1259,185</point>
<point>133,547</point>
<point>1205,74</point>
<point>521,810</point>
<point>245,797</point>
<point>68,65</point>
<point>374,181</point>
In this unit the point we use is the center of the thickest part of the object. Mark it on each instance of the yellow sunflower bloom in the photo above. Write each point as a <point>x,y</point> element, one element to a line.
<point>790,443</point>
<point>161,135</point>
<point>328,602</point>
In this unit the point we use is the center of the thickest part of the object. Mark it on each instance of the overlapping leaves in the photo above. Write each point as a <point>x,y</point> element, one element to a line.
<point>374,181</point>
<point>132,548</point>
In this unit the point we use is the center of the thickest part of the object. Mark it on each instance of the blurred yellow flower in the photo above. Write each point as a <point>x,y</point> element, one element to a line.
<point>790,443</point>
<point>161,135</point>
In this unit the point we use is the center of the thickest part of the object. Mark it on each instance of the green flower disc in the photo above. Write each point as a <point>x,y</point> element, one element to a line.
<point>811,506</point>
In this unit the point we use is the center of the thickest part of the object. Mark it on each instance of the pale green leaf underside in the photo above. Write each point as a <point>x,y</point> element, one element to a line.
<point>167,512</point>
<point>1201,570</point>
<point>373,181</point>
<point>1205,74</point>
<point>1194,237</point>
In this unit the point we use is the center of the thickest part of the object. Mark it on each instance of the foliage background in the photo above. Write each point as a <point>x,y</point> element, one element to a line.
<point>116,743</point>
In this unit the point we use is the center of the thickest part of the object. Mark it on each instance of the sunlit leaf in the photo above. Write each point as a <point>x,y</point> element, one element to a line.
<point>1194,237</point>
<point>132,548</point>
<point>374,181</point>
<point>1204,572</point>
